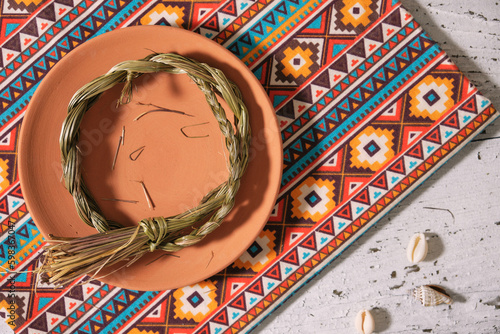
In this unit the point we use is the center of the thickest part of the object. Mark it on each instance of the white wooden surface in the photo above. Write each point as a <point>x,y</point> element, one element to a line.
<point>464,242</point>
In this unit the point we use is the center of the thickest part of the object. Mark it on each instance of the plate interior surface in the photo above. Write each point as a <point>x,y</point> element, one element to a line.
<point>177,167</point>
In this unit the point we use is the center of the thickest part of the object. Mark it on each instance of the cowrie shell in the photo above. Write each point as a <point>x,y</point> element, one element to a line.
<point>417,248</point>
<point>364,322</point>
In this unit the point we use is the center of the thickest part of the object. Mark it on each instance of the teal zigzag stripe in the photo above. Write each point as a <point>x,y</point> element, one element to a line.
<point>110,25</point>
<point>342,128</point>
<point>18,105</point>
<point>117,19</point>
<point>26,232</point>
<point>127,313</point>
<point>120,17</point>
<point>259,29</point>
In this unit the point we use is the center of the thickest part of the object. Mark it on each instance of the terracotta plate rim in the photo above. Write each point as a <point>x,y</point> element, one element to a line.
<point>24,140</point>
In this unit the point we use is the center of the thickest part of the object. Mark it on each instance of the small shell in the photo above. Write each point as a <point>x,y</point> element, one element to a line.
<point>431,295</point>
<point>364,322</point>
<point>417,248</point>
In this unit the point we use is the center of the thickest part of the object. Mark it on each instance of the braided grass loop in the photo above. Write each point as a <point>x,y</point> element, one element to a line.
<point>68,258</point>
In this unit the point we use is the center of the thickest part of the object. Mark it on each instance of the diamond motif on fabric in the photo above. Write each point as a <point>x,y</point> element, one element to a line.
<point>354,16</point>
<point>259,254</point>
<point>196,301</point>
<point>313,199</point>
<point>296,62</point>
<point>254,249</point>
<point>431,97</point>
<point>24,5</point>
<point>372,148</point>
<point>164,15</point>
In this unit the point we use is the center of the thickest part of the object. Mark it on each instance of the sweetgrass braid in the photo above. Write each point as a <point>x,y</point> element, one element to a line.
<point>165,233</point>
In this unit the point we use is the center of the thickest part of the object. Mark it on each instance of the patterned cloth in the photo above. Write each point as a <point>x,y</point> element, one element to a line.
<point>369,106</point>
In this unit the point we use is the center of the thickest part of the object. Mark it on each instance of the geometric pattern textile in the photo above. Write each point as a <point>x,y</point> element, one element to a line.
<point>368,105</point>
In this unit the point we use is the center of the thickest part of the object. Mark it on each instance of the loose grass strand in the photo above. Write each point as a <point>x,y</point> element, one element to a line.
<point>119,200</point>
<point>148,197</point>
<point>120,142</point>
<point>133,156</point>
<point>190,126</point>
<point>159,109</point>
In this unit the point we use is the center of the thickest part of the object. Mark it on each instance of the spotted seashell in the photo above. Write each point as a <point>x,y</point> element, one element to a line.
<point>431,295</point>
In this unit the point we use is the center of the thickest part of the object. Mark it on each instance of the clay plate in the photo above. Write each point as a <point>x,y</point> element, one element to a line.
<point>176,170</point>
